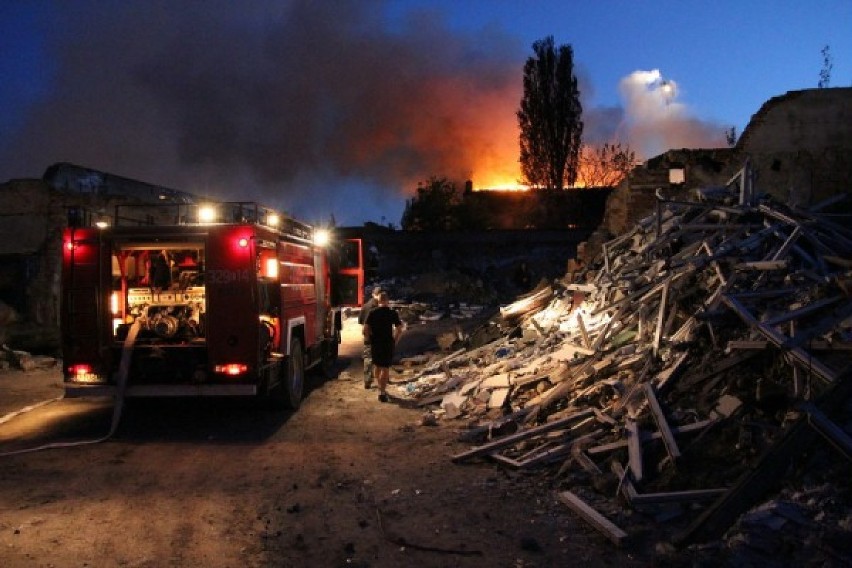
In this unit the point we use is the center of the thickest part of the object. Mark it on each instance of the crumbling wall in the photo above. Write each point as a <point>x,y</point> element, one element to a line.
<point>800,145</point>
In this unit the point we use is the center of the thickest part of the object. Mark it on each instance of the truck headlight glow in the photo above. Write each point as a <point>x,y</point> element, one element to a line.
<point>321,237</point>
<point>206,214</point>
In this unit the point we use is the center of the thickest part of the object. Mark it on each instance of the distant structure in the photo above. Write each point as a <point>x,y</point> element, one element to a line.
<point>71,179</point>
<point>798,146</point>
<point>33,213</point>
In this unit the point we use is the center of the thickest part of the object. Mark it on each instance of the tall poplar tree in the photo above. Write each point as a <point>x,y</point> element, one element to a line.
<point>550,117</point>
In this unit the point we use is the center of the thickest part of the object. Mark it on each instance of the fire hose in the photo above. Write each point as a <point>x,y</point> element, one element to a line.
<point>121,386</point>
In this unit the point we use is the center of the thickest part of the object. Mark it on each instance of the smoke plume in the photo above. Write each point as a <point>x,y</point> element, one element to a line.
<point>655,121</point>
<point>312,106</point>
<point>317,108</point>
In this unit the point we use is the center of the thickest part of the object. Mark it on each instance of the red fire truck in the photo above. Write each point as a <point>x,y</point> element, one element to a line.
<point>231,299</point>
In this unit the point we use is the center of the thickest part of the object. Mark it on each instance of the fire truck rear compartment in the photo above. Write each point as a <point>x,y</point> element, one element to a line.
<point>161,285</point>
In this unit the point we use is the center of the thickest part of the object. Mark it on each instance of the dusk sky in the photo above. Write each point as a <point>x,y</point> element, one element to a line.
<point>341,107</point>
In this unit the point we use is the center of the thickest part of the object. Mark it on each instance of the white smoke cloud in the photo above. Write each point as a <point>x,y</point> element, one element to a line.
<point>655,120</point>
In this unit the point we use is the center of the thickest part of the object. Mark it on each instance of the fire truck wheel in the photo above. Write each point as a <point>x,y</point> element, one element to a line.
<point>288,392</point>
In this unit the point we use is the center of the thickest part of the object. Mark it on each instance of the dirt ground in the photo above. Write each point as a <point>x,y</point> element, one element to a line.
<point>345,481</point>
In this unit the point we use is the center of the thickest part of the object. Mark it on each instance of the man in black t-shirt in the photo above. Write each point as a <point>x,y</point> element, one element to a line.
<point>368,307</point>
<point>382,329</point>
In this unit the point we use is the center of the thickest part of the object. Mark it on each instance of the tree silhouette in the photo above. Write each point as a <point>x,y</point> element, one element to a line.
<point>549,117</point>
<point>434,207</point>
<point>827,66</point>
<point>605,166</point>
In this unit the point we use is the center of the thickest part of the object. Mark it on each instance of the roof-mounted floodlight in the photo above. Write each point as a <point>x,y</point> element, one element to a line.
<point>273,220</point>
<point>206,214</point>
<point>321,237</point>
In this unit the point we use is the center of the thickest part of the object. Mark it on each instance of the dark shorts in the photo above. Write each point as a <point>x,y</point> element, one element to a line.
<point>382,353</point>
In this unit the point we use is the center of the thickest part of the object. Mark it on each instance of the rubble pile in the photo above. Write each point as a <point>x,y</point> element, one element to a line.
<point>685,373</point>
<point>23,360</point>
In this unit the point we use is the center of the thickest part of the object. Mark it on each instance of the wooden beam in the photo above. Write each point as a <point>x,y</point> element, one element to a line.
<point>803,311</point>
<point>662,423</point>
<point>595,519</point>
<point>758,344</point>
<point>546,455</point>
<point>634,448</point>
<point>586,341</point>
<point>828,323</point>
<point>650,436</point>
<point>661,317</point>
<point>803,358</point>
<point>518,436</point>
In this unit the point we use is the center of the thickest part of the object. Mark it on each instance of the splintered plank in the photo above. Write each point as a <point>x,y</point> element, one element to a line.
<point>611,447</point>
<point>803,358</point>
<point>637,499</point>
<point>591,516</point>
<point>634,448</point>
<point>803,311</point>
<point>584,461</point>
<point>513,438</point>
<point>661,317</point>
<point>586,341</point>
<point>662,423</point>
<point>547,455</point>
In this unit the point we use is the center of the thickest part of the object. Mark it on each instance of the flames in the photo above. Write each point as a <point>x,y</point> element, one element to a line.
<point>509,179</point>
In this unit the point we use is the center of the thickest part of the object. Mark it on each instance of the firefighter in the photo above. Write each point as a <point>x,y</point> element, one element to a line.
<point>160,276</point>
<point>383,328</point>
<point>368,306</point>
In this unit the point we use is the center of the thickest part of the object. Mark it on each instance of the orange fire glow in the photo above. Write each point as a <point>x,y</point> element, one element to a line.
<point>502,180</point>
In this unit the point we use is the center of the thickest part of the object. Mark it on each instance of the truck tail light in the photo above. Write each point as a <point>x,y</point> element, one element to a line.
<point>83,373</point>
<point>80,369</point>
<point>232,369</point>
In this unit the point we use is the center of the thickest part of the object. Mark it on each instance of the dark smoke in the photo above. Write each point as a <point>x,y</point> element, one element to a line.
<point>313,106</point>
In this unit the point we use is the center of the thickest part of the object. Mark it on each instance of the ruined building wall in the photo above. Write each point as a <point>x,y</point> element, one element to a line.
<point>800,145</point>
<point>30,243</point>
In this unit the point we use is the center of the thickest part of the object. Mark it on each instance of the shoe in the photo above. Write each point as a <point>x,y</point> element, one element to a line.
<point>383,397</point>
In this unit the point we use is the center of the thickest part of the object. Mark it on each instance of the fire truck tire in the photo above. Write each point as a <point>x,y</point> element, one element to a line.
<point>287,394</point>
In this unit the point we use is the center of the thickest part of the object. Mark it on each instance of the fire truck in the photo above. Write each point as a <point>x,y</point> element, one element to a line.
<point>228,299</point>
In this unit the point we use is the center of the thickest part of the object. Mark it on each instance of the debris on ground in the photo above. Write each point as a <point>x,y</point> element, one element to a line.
<point>23,360</point>
<point>678,381</point>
